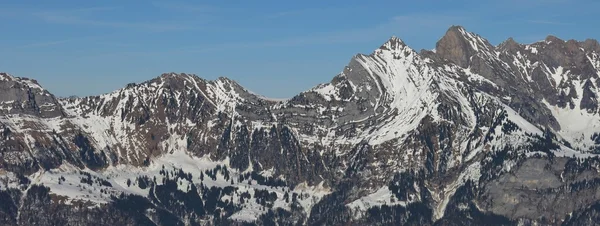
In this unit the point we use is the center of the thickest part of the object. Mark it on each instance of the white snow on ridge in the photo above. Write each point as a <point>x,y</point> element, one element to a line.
<point>224,95</point>
<point>470,38</point>
<point>405,90</point>
<point>26,81</point>
<point>327,91</point>
<point>6,77</point>
<point>31,83</point>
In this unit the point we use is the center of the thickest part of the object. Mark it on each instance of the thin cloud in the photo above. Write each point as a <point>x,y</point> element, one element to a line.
<point>410,23</point>
<point>31,11</point>
<point>398,25</point>
<point>83,16</point>
<point>91,9</point>
<point>405,24</point>
<point>416,22</point>
<point>338,37</point>
<point>283,14</point>
<point>299,12</point>
<point>178,6</point>
<point>534,3</point>
<point>309,12</point>
<point>52,17</point>
<point>44,44</point>
<point>47,43</point>
<point>547,22</point>
<point>328,38</point>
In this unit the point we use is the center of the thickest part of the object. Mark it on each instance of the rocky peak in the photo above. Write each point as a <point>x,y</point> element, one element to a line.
<point>6,77</point>
<point>590,45</point>
<point>177,76</point>
<point>571,55</point>
<point>226,80</point>
<point>26,96</point>
<point>232,87</point>
<point>394,49</point>
<point>573,46</point>
<point>183,81</point>
<point>175,81</point>
<point>553,39</point>
<point>394,43</point>
<point>23,82</point>
<point>459,45</point>
<point>510,45</point>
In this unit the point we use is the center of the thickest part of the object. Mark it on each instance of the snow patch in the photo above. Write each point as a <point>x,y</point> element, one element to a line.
<point>383,196</point>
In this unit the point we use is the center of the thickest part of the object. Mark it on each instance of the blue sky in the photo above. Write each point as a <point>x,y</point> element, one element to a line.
<point>274,48</point>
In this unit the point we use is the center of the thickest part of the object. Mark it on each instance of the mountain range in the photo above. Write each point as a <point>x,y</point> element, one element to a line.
<point>466,134</point>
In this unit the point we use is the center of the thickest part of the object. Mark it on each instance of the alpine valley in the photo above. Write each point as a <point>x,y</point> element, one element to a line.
<point>466,134</point>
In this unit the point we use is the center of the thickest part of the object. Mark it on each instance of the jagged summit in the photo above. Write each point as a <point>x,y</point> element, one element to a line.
<point>32,83</point>
<point>510,45</point>
<point>175,74</point>
<point>454,47</point>
<point>591,44</point>
<point>184,81</point>
<point>552,38</point>
<point>510,41</point>
<point>458,45</point>
<point>174,77</point>
<point>394,43</point>
<point>6,77</point>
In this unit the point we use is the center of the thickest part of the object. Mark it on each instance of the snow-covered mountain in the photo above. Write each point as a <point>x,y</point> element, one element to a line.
<point>470,133</point>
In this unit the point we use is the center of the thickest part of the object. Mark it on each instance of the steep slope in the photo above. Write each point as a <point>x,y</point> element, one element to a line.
<point>563,76</point>
<point>469,134</point>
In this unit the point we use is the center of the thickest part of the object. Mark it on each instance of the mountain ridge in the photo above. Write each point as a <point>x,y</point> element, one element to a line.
<point>588,43</point>
<point>420,137</point>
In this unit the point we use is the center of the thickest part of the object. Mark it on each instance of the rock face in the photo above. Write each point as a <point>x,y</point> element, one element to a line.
<point>470,134</point>
<point>26,96</point>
